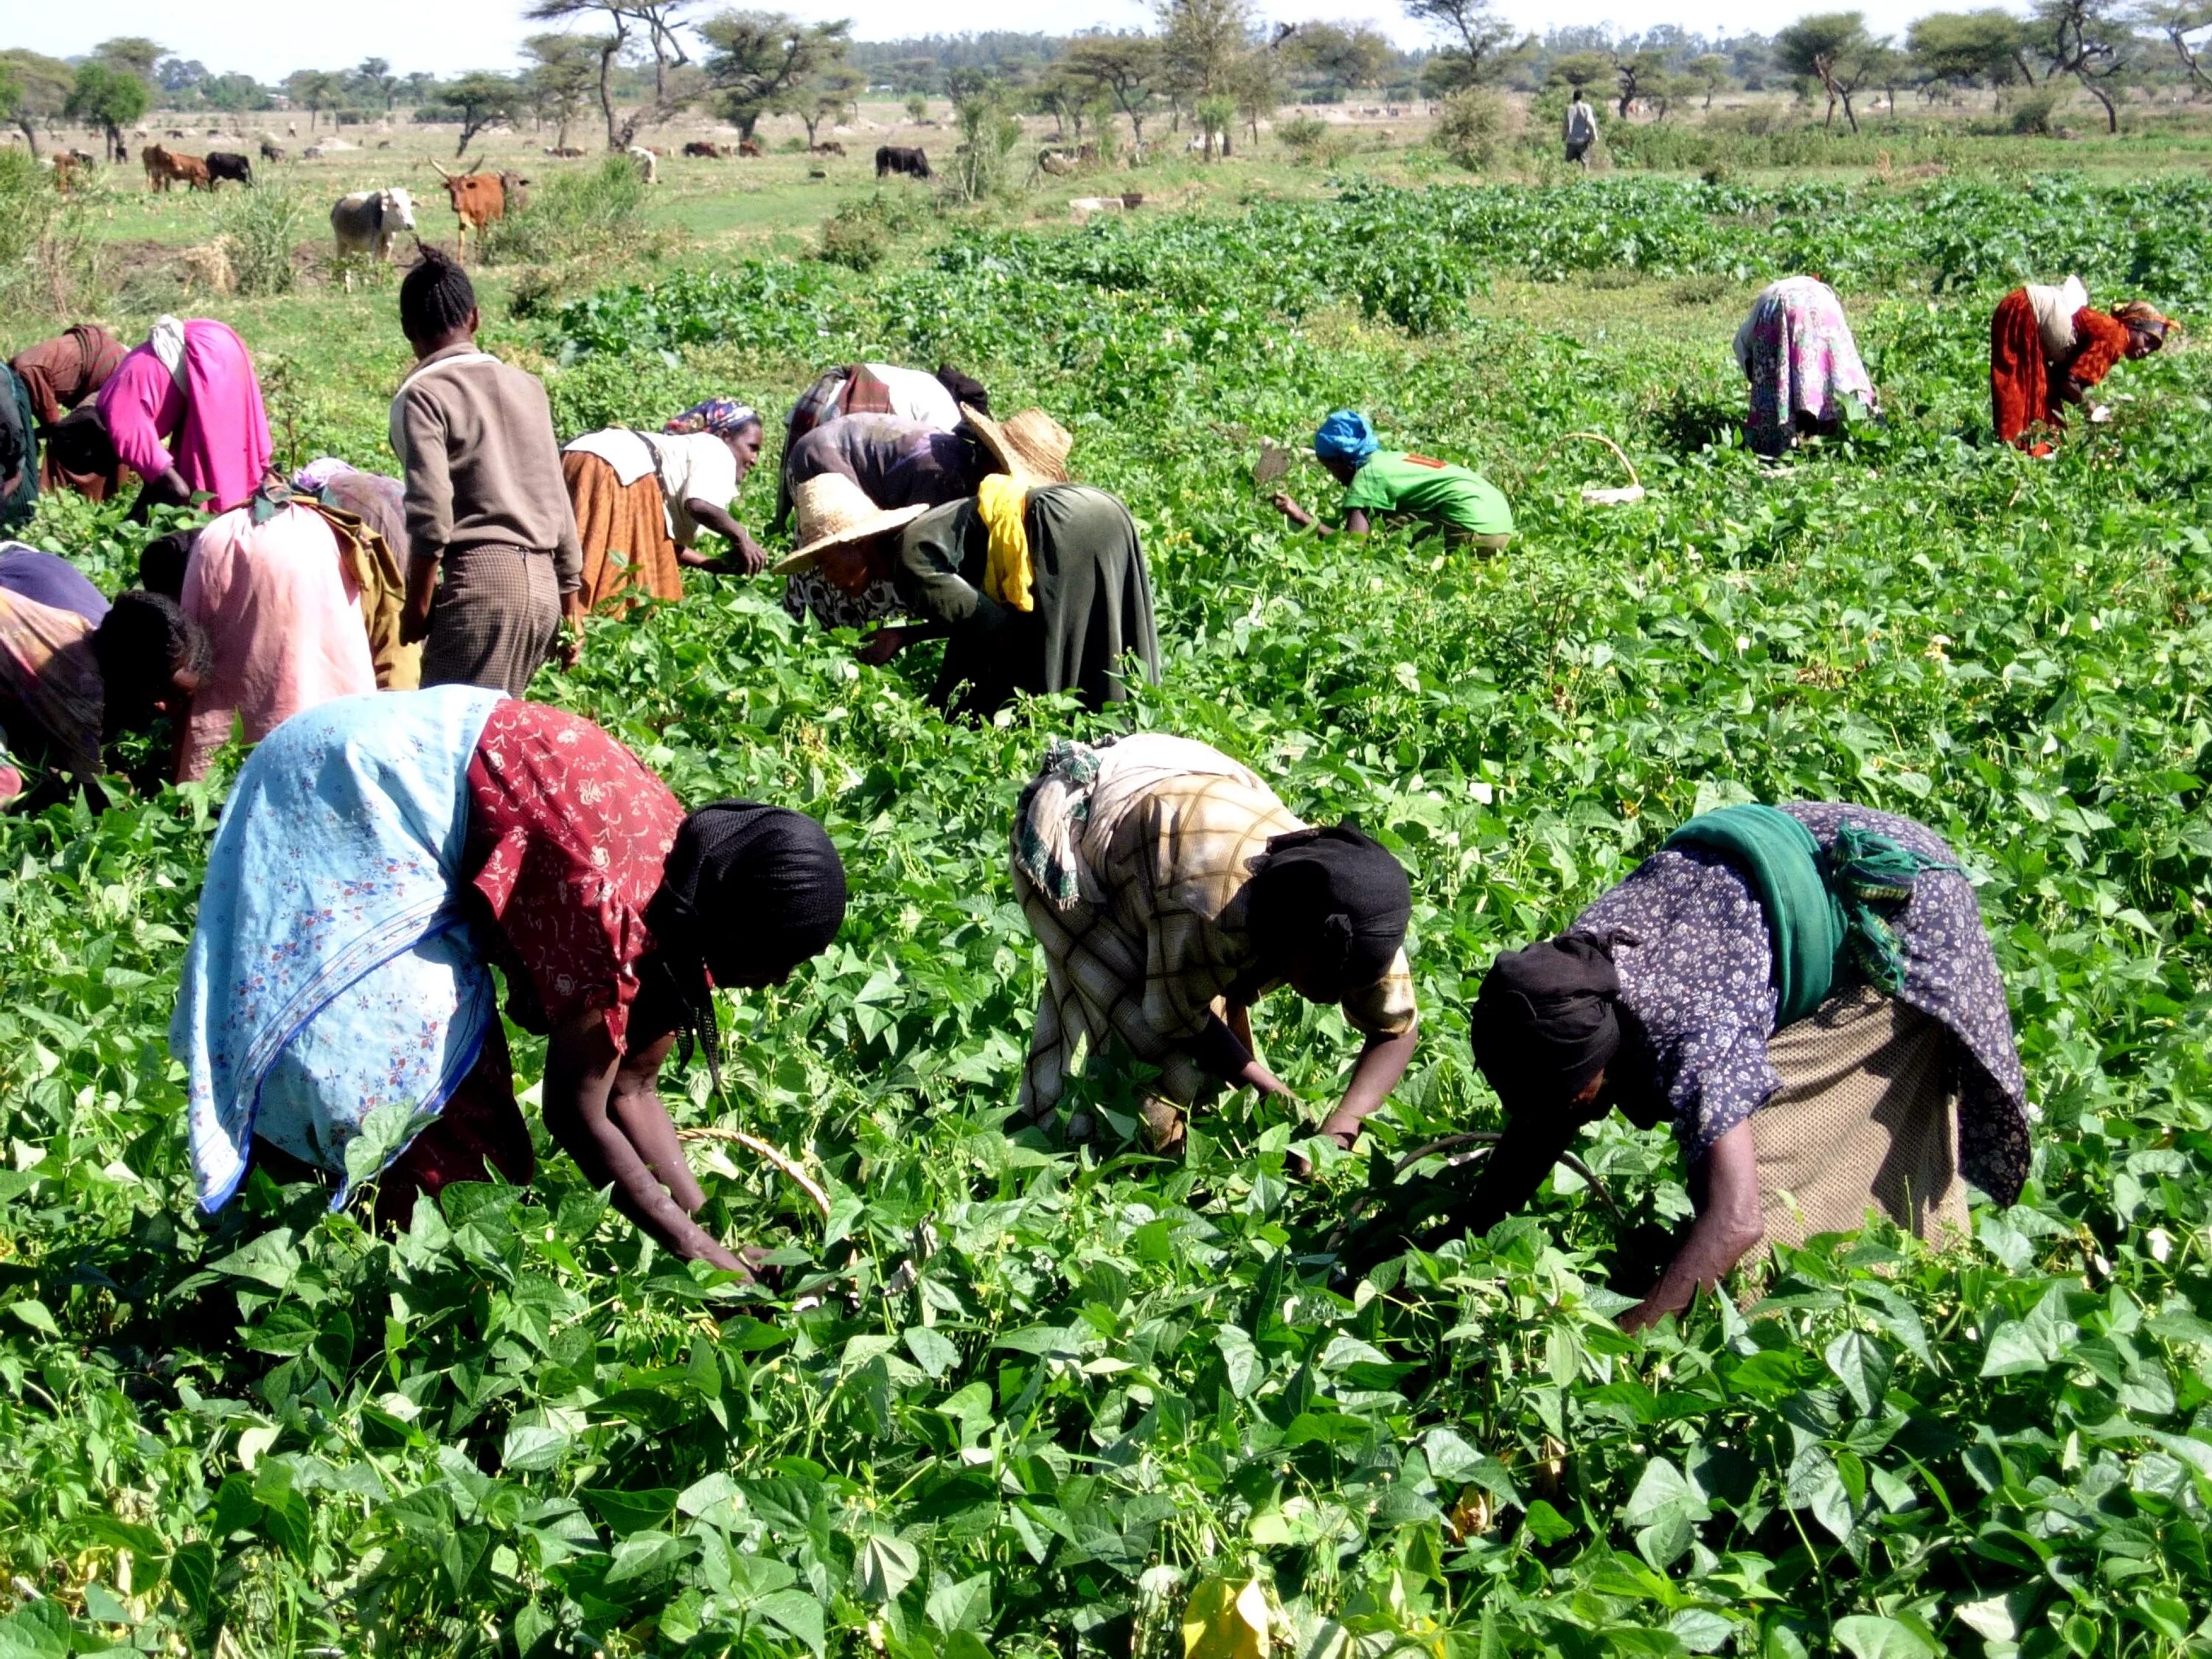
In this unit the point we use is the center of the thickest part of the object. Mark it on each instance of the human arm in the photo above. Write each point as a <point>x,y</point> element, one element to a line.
<point>1382,1061</point>
<point>1219,1053</point>
<point>746,557</point>
<point>419,426</point>
<point>603,1109</point>
<point>422,588</point>
<point>2100,342</point>
<point>1355,522</point>
<point>1725,1188</point>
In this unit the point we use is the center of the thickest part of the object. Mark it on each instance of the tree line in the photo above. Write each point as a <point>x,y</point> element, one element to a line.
<point>629,65</point>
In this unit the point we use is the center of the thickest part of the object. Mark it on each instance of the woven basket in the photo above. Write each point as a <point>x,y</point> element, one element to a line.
<point>1615,494</point>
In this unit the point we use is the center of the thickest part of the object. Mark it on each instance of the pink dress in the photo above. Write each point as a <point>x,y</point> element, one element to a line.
<point>283,617</point>
<point>205,418</point>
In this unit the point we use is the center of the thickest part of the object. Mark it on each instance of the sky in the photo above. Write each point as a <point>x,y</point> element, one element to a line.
<point>268,38</point>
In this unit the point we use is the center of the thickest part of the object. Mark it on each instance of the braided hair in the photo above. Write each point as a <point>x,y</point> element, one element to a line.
<point>163,561</point>
<point>436,297</point>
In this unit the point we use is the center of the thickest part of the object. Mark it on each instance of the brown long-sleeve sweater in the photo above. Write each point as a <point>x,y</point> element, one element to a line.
<point>475,441</point>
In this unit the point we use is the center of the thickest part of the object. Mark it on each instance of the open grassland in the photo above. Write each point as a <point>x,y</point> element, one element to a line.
<point>1037,1401</point>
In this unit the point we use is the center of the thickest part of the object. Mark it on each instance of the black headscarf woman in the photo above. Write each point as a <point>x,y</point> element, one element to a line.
<point>748,893</point>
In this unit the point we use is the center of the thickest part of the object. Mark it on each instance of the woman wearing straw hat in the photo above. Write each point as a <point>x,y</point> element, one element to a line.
<point>1380,482</point>
<point>1035,584</point>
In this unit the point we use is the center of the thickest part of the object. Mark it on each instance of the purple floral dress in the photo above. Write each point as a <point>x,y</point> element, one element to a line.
<point>1689,939</point>
<point>1797,352</point>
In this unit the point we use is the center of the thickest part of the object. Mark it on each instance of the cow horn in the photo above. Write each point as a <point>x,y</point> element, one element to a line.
<point>476,166</point>
<point>440,172</point>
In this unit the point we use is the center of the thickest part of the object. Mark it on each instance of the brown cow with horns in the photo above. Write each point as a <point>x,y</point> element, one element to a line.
<point>478,199</point>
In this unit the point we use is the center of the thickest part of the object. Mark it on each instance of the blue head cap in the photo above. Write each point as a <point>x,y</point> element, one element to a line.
<point>1346,436</point>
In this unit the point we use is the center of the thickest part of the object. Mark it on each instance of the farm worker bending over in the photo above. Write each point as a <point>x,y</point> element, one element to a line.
<point>1035,584</point>
<point>2048,346</point>
<point>366,509</point>
<point>1798,352</point>
<point>277,589</point>
<point>376,852</point>
<point>913,394</point>
<point>19,451</point>
<point>184,412</point>
<point>895,462</point>
<point>1808,994</point>
<point>642,499</point>
<point>493,540</point>
<point>1462,503</point>
<point>61,375</point>
<point>67,683</point>
<point>1170,891</point>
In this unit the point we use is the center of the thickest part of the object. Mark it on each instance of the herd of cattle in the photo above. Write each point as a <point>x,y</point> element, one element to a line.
<point>364,223</point>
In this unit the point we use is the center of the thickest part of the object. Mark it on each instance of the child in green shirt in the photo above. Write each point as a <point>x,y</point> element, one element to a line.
<point>1460,502</point>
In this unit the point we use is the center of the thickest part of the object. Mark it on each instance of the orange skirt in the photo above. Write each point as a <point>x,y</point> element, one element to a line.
<point>628,554</point>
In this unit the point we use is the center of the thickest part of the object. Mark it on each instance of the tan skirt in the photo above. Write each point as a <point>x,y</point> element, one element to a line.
<point>1867,1119</point>
<point>628,554</point>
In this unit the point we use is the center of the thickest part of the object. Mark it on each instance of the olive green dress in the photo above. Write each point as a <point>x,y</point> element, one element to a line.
<point>1094,601</point>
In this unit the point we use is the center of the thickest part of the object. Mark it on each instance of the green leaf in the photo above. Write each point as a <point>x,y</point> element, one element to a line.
<point>884,1566</point>
<point>964,1605</point>
<point>793,1613</point>
<point>35,1315</point>
<point>933,1352</point>
<point>1869,1636</point>
<point>532,1446</point>
<point>1863,1367</point>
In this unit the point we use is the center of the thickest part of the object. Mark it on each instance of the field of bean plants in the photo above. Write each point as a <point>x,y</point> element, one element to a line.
<point>1014,1399</point>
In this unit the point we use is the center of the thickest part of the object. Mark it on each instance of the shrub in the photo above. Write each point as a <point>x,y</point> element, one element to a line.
<point>46,256</point>
<point>258,229</point>
<point>573,215</point>
<point>1473,129</point>
<point>2033,114</point>
<point>855,237</point>
<point>1303,136</point>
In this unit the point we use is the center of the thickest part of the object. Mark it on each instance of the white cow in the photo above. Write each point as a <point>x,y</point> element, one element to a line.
<point>365,223</point>
<point>647,163</point>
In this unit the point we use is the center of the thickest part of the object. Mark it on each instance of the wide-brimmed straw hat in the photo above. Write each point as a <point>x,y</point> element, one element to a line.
<point>1029,443</point>
<point>831,511</point>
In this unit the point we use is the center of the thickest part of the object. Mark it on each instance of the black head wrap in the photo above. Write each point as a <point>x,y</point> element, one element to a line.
<point>967,391</point>
<point>748,893</point>
<point>1338,894</point>
<point>1544,1021</point>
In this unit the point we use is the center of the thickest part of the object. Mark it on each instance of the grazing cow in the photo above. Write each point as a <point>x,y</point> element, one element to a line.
<point>67,170</point>
<point>477,200</point>
<point>179,133</point>
<point>165,167</point>
<point>833,147</point>
<point>272,151</point>
<point>363,224</point>
<point>648,164</point>
<point>703,150</point>
<point>1083,207</point>
<point>313,153</point>
<point>517,188</point>
<point>897,158</point>
<point>565,152</point>
<point>223,164</point>
<point>748,149</point>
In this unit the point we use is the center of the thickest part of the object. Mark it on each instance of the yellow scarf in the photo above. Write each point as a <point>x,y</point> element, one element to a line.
<point>1002,501</point>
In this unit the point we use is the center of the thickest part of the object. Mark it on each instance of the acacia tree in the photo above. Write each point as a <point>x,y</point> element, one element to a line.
<point>559,78</point>
<point>480,99</point>
<point>110,98</point>
<point>1339,56</point>
<point>2179,20</point>
<point>1128,68</point>
<point>1988,47</point>
<point>374,77</point>
<point>1834,48</point>
<point>1477,40</point>
<point>760,60</point>
<point>633,27</point>
<point>827,96</point>
<point>42,87</point>
<point>2090,40</point>
<point>1709,74</point>
<point>315,91</point>
<point>134,54</point>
